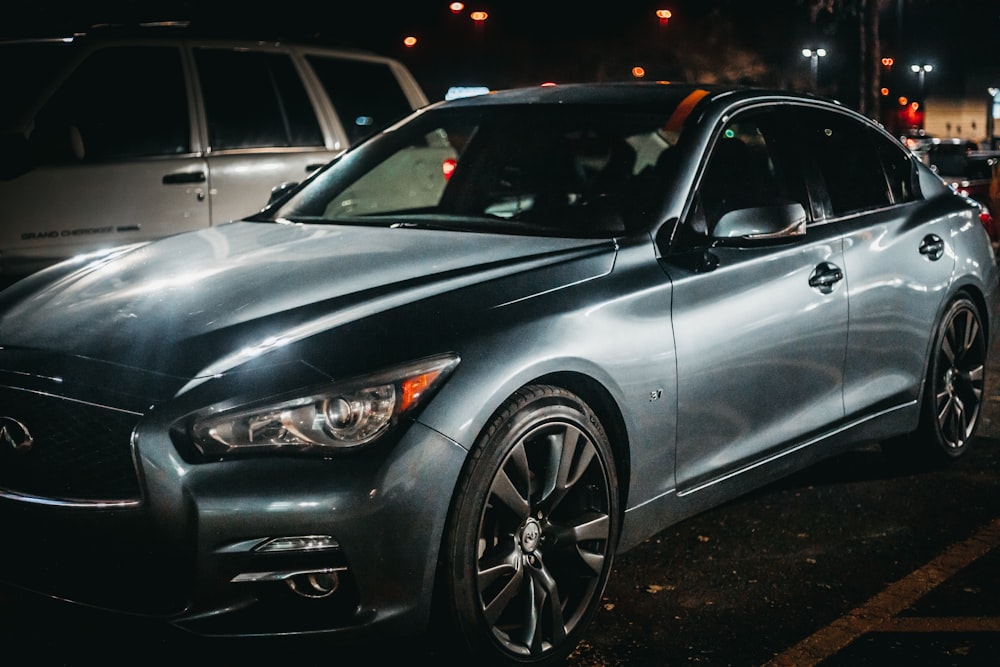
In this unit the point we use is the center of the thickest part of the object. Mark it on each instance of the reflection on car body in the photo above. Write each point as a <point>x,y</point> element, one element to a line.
<point>443,382</point>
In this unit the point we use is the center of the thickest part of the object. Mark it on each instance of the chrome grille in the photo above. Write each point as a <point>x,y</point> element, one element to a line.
<point>81,452</point>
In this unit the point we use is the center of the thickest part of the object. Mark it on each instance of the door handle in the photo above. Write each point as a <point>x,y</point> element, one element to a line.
<point>184,177</point>
<point>932,247</point>
<point>825,276</point>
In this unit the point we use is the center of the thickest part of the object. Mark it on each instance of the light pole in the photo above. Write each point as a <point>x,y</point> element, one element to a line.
<point>814,55</point>
<point>921,71</point>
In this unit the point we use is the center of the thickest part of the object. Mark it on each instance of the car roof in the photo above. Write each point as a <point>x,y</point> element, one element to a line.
<point>176,31</point>
<point>627,93</point>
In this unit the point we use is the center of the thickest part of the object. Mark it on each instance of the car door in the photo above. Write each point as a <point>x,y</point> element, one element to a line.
<point>113,159</point>
<point>760,326</point>
<point>895,257</point>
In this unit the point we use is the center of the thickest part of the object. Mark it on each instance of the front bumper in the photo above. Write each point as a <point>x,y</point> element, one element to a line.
<point>360,533</point>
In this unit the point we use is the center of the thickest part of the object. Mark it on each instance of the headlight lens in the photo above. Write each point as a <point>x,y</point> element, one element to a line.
<point>324,420</point>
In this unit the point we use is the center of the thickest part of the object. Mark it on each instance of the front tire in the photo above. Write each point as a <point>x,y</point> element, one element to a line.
<point>532,532</point>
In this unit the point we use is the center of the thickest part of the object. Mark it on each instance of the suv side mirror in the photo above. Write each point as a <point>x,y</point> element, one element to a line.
<point>15,155</point>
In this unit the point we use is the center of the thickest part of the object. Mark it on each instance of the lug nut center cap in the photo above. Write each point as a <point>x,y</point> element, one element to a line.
<point>531,534</point>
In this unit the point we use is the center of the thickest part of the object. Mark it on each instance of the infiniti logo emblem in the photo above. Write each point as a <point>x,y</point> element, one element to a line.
<point>14,435</point>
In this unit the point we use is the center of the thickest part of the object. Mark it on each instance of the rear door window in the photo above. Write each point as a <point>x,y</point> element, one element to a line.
<point>255,99</point>
<point>849,160</point>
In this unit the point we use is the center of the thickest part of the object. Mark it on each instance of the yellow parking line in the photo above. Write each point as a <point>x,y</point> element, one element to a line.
<point>943,624</point>
<point>878,613</point>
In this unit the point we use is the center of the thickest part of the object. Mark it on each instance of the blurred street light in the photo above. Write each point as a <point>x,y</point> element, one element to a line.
<point>814,55</point>
<point>664,16</point>
<point>921,71</point>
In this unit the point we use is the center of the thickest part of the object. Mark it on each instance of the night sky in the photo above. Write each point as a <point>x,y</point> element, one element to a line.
<point>527,42</point>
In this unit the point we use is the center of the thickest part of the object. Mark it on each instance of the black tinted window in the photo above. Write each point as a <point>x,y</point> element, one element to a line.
<point>365,94</point>
<point>255,100</point>
<point>120,102</point>
<point>900,170</point>
<point>752,164</point>
<point>847,154</point>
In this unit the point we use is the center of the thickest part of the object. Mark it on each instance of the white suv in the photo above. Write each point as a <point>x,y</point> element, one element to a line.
<point>112,139</point>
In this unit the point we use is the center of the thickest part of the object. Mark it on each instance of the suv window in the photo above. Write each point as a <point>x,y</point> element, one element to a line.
<point>121,102</point>
<point>255,100</point>
<point>21,86</point>
<point>365,94</point>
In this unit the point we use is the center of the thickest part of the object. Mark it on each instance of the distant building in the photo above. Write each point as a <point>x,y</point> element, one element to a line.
<point>973,115</point>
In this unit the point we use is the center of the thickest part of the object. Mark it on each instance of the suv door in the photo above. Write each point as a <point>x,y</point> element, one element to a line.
<point>265,109</point>
<point>114,161</point>
<point>760,325</point>
<point>262,128</point>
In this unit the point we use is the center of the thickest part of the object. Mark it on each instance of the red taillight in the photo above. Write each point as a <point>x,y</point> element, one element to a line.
<point>987,220</point>
<point>448,167</point>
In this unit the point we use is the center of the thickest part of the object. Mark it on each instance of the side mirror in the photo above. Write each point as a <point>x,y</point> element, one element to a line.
<point>280,191</point>
<point>15,155</point>
<point>762,223</point>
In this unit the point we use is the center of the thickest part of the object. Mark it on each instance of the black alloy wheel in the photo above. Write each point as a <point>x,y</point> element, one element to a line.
<point>535,522</point>
<point>957,379</point>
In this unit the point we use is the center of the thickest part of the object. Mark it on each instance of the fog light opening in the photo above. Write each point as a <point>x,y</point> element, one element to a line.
<point>314,584</point>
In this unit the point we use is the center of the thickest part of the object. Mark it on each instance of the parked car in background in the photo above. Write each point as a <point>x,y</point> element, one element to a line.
<point>918,141</point>
<point>972,172</point>
<point>440,385</point>
<point>117,136</point>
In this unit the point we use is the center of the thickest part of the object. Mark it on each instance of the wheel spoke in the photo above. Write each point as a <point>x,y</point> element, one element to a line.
<point>975,374</point>
<point>506,491</point>
<point>589,527</point>
<point>493,608</point>
<point>954,421</point>
<point>497,565</point>
<point>570,455</point>
<point>946,345</point>
<point>971,332</point>
<point>544,596</point>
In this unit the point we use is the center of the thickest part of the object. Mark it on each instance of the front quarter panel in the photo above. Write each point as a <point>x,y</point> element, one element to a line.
<point>612,333</point>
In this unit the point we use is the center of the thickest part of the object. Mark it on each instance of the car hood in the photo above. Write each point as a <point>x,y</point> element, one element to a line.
<point>182,305</point>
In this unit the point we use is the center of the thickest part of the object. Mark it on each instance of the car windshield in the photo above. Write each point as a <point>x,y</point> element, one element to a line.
<point>524,170</point>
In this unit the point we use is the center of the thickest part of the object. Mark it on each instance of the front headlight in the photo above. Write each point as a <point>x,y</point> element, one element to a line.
<point>323,420</point>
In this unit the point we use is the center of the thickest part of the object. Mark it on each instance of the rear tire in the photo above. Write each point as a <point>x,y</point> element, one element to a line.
<point>532,532</point>
<point>954,390</point>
